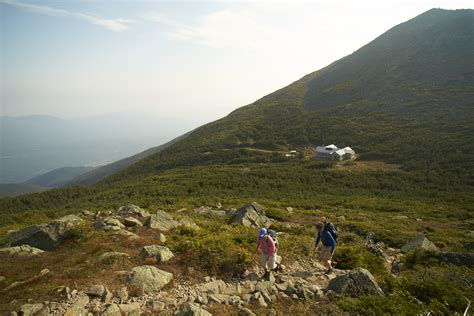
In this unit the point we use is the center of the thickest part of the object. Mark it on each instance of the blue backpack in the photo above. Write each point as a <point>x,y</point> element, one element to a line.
<point>330,228</point>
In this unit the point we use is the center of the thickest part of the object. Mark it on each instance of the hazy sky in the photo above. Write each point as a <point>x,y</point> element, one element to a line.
<point>196,60</point>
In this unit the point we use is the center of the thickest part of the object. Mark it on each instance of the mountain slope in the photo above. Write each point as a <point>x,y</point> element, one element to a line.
<point>58,177</point>
<point>389,100</point>
<point>100,173</point>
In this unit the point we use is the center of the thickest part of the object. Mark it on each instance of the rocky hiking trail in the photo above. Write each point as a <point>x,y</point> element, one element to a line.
<point>147,287</point>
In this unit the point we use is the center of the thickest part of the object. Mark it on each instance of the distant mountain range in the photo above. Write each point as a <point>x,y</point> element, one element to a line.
<point>34,145</point>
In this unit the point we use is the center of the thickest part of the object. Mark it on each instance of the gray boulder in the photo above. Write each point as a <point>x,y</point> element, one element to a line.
<point>161,221</point>
<point>108,224</point>
<point>23,250</point>
<point>30,309</point>
<point>132,309</point>
<point>99,291</point>
<point>132,210</point>
<point>252,214</point>
<point>161,253</point>
<point>132,222</point>
<point>357,282</point>
<point>44,236</point>
<point>113,256</point>
<point>420,242</point>
<point>465,259</point>
<point>192,309</point>
<point>208,211</point>
<point>148,278</point>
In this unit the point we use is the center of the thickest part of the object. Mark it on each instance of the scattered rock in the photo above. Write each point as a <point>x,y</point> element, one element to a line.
<point>188,223</point>
<point>208,211</point>
<point>357,282</point>
<point>79,307</point>
<point>214,287</point>
<point>122,294</point>
<point>155,306</point>
<point>108,224</point>
<point>126,233</point>
<point>252,214</point>
<point>2,278</point>
<point>161,238</point>
<point>86,213</point>
<point>244,311</point>
<point>192,309</point>
<point>132,210</point>
<point>422,243</point>
<point>161,253</point>
<point>109,257</point>
<point>99,291</point>
<point>44,236</point>
<point>30,309</point>
<point>161,221</point>
<point>289,210</point>
<point>43,273</point>
<point>132,309</point>
<point>23,250</point>
<point>465,259</point>
<point>400,217</point>
<point>132,222</point>
<point>148,278</point>
<point>111,310</point>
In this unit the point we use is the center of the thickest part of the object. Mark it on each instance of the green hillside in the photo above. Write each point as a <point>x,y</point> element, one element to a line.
<point>407,97</point>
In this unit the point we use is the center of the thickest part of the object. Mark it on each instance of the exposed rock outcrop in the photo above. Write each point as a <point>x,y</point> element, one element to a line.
<point>252,214</point>
<point>44,236</point>
<point>132,210</point>
<point>420,242</point>
<point>109,223</point>
<point>161,253</point>
<point>148,278</point>
<point>357,282</point>
<point>192,309</point>
<point>162,221</point>
<point>23,250</point>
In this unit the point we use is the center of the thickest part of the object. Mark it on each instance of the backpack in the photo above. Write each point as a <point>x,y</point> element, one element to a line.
<point>273,234</point>
<point>329,227</point>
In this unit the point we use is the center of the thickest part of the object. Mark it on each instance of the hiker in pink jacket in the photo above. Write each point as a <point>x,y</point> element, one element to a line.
<point>266,247</point>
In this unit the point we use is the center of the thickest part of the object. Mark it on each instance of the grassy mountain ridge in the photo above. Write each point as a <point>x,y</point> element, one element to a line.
<point>406,98</point>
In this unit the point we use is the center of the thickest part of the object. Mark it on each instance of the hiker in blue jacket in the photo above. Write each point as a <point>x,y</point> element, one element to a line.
<point>328,237</point>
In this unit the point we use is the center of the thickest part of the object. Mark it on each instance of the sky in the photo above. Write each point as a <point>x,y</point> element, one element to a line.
<point>192,60</point>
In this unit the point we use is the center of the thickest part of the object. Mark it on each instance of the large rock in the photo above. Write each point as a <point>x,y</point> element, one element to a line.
<point>99,291</point>
<point>113,256</point>
<point>23,250</point>
<point>192,309</point>
<point>208,211</point>
<point>420,242</point>
<point>357,282</point>
<point>109,223</point>
<point>161,253</point>
<point>44,236</point>
<point>252,214</point>
<point>458,258</point>
<point>148,278</point>
<point>162,221</point>
<point>79,307</point>
<point>30,309</point>
<point>132,210</point>
<point>132,222</point>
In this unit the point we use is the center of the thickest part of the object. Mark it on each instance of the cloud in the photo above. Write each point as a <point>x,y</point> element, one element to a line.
<point>111,24</point>
<point>223,29</point>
